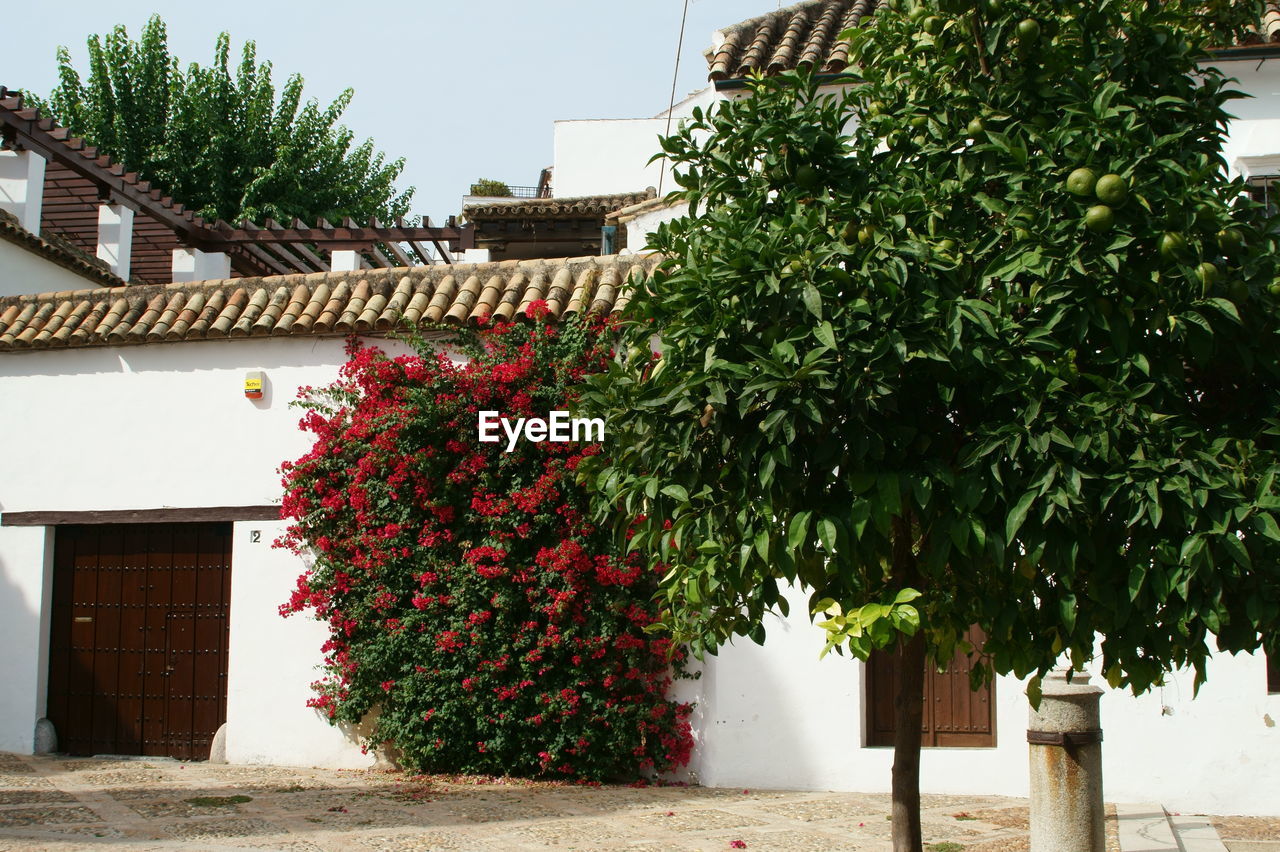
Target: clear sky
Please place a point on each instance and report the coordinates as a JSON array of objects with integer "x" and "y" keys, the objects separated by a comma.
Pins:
[{"x": 460, "y": 90}]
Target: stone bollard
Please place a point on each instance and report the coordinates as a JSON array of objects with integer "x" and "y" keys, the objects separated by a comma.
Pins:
[{"x": 1065, "y": 738}]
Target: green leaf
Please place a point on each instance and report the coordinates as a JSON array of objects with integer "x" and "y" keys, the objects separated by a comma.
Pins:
[
  {"x": 825, "y": 334},
  {"x": 1018, "y": 516},
  {"x": 813, "y": 300},
  {"x": 1264, "y": 523},
  {"x": 676, "y": 492},
  {"x": 1035, "y": 692},
  {"x": 762, "y": 543},
  {"x": 798, "y": 530},
  {"x": 1137, "y": 574},
  {"x": 1236, "y": 548},
  {"x": 1067, "y": 612},
  {"x": 827, "y": 534}
]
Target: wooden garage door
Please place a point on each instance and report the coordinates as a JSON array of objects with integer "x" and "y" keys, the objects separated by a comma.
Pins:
[
  {"x": 138, "y": 644},
  {"x": 954, "y": 714}
]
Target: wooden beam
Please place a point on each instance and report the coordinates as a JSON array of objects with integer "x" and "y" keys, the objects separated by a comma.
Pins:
[
  {"x": 444, "y": 253},
  {"x": 270, "y": 262},
  {"x": 319, "y": 262},
  {"x": 329, "y": 234},
  {"x": 421, "y": 253},
  {"x": 289, "y": 257},
  {"x": 23, "y": 128},
  {"x": 141, "y": 516},
  {"x": 399, "y": 253}
]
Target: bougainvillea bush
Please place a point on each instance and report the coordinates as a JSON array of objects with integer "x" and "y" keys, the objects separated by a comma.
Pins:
[{"x": 471, "y": 602}]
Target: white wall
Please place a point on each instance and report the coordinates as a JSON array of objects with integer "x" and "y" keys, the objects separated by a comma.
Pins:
[
  {"x": 22, "y": 272},
  {"x": 153, "y": 426},
  {"x": 26, "y": 565},
  {"x": 162, "y": 426},
  {"x": 704, "y": 98},
  {"x": 777, "y": 716},
  {"x": 604, "y": 157},
  {"x": 639, "y": 228},
  {"x": 273, "y": 661},
  {"x": 1256, "y": 130}
]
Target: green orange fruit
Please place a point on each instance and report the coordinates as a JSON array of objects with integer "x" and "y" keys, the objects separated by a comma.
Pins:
[
  {"x": 1208, "y": 274},
  {"x": 806, "y": 177},
  {"x": 1099, "y": 218},
  {"x": 1172, "y": 245},
  {"x": 1230, "y": 241},
  {"x": 1028, "y": 31},
  {"x": 1112, "y": 190},
  {"x": 1081, "y": 182}
]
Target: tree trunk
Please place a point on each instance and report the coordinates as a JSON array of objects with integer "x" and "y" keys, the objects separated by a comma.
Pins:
[
  {"x": 908, "y": 704},
  {"x": 908, "y": 708}
]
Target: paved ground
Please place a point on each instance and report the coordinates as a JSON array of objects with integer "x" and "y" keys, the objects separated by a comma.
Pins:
[
  {"x": 56, "y": 804},
  {"x": 1249, "y": 834}
]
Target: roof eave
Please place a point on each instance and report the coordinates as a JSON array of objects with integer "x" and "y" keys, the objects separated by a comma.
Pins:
[{"x": 1248, "y": 51}]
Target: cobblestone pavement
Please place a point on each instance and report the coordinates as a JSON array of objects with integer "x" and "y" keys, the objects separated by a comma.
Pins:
[{"x": 59, "y": 803}]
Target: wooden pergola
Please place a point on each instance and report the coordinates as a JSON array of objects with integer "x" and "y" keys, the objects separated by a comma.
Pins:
[{"x": 78, "y": 181}]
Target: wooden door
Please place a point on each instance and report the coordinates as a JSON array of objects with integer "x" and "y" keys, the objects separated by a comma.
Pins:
[
  {"x": 138, "y": 644},
  {"x": 954, "y": 715}
]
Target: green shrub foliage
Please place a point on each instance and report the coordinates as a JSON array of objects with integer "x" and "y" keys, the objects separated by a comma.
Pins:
[{"x": 471, "y": 600}]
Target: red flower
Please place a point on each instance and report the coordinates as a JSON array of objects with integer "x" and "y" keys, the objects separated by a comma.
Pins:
[{"x": 440, "y": 563}]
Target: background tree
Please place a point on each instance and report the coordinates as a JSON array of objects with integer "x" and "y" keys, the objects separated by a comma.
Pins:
[
  {"x": 491, "y": 188},
  {"x": 1005, "y": 355},
  {"x": 220, "y": 142}
]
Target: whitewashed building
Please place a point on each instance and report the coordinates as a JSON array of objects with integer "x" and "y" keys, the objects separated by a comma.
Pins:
[
  {"x": 1219, "y": 753},
  {"x": 139, "y": 489}
]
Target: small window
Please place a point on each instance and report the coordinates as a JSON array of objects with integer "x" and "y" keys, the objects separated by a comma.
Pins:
[
  {"x": 1266, "y": 190},
  {"x": 1273, "y": 671},
  {"x": 954, "y": 715}
]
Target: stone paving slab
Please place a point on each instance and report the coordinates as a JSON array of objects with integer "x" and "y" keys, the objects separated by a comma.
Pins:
[{"x": 62, "y": 804}]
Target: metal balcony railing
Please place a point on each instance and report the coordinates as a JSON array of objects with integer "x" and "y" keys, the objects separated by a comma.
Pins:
[{"x": 515, "y": 191}]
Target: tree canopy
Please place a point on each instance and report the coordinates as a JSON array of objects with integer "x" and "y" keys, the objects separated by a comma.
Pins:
[
  {"x": 219, "y": 141},
  {"x": 988, "y": 337}
]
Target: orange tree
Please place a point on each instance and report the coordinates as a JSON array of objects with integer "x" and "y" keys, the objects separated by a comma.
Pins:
[
  {"x": 988, "y": 339},
  {"x": 475, "y": 612}
]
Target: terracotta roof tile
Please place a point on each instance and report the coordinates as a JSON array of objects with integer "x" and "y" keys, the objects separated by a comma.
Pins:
[
  {"x": 581, "y": 207},
  {"x": 807, "y": 34},
  {"x": 325, "y": 303},
  {"x": 803, "y": 34}
]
